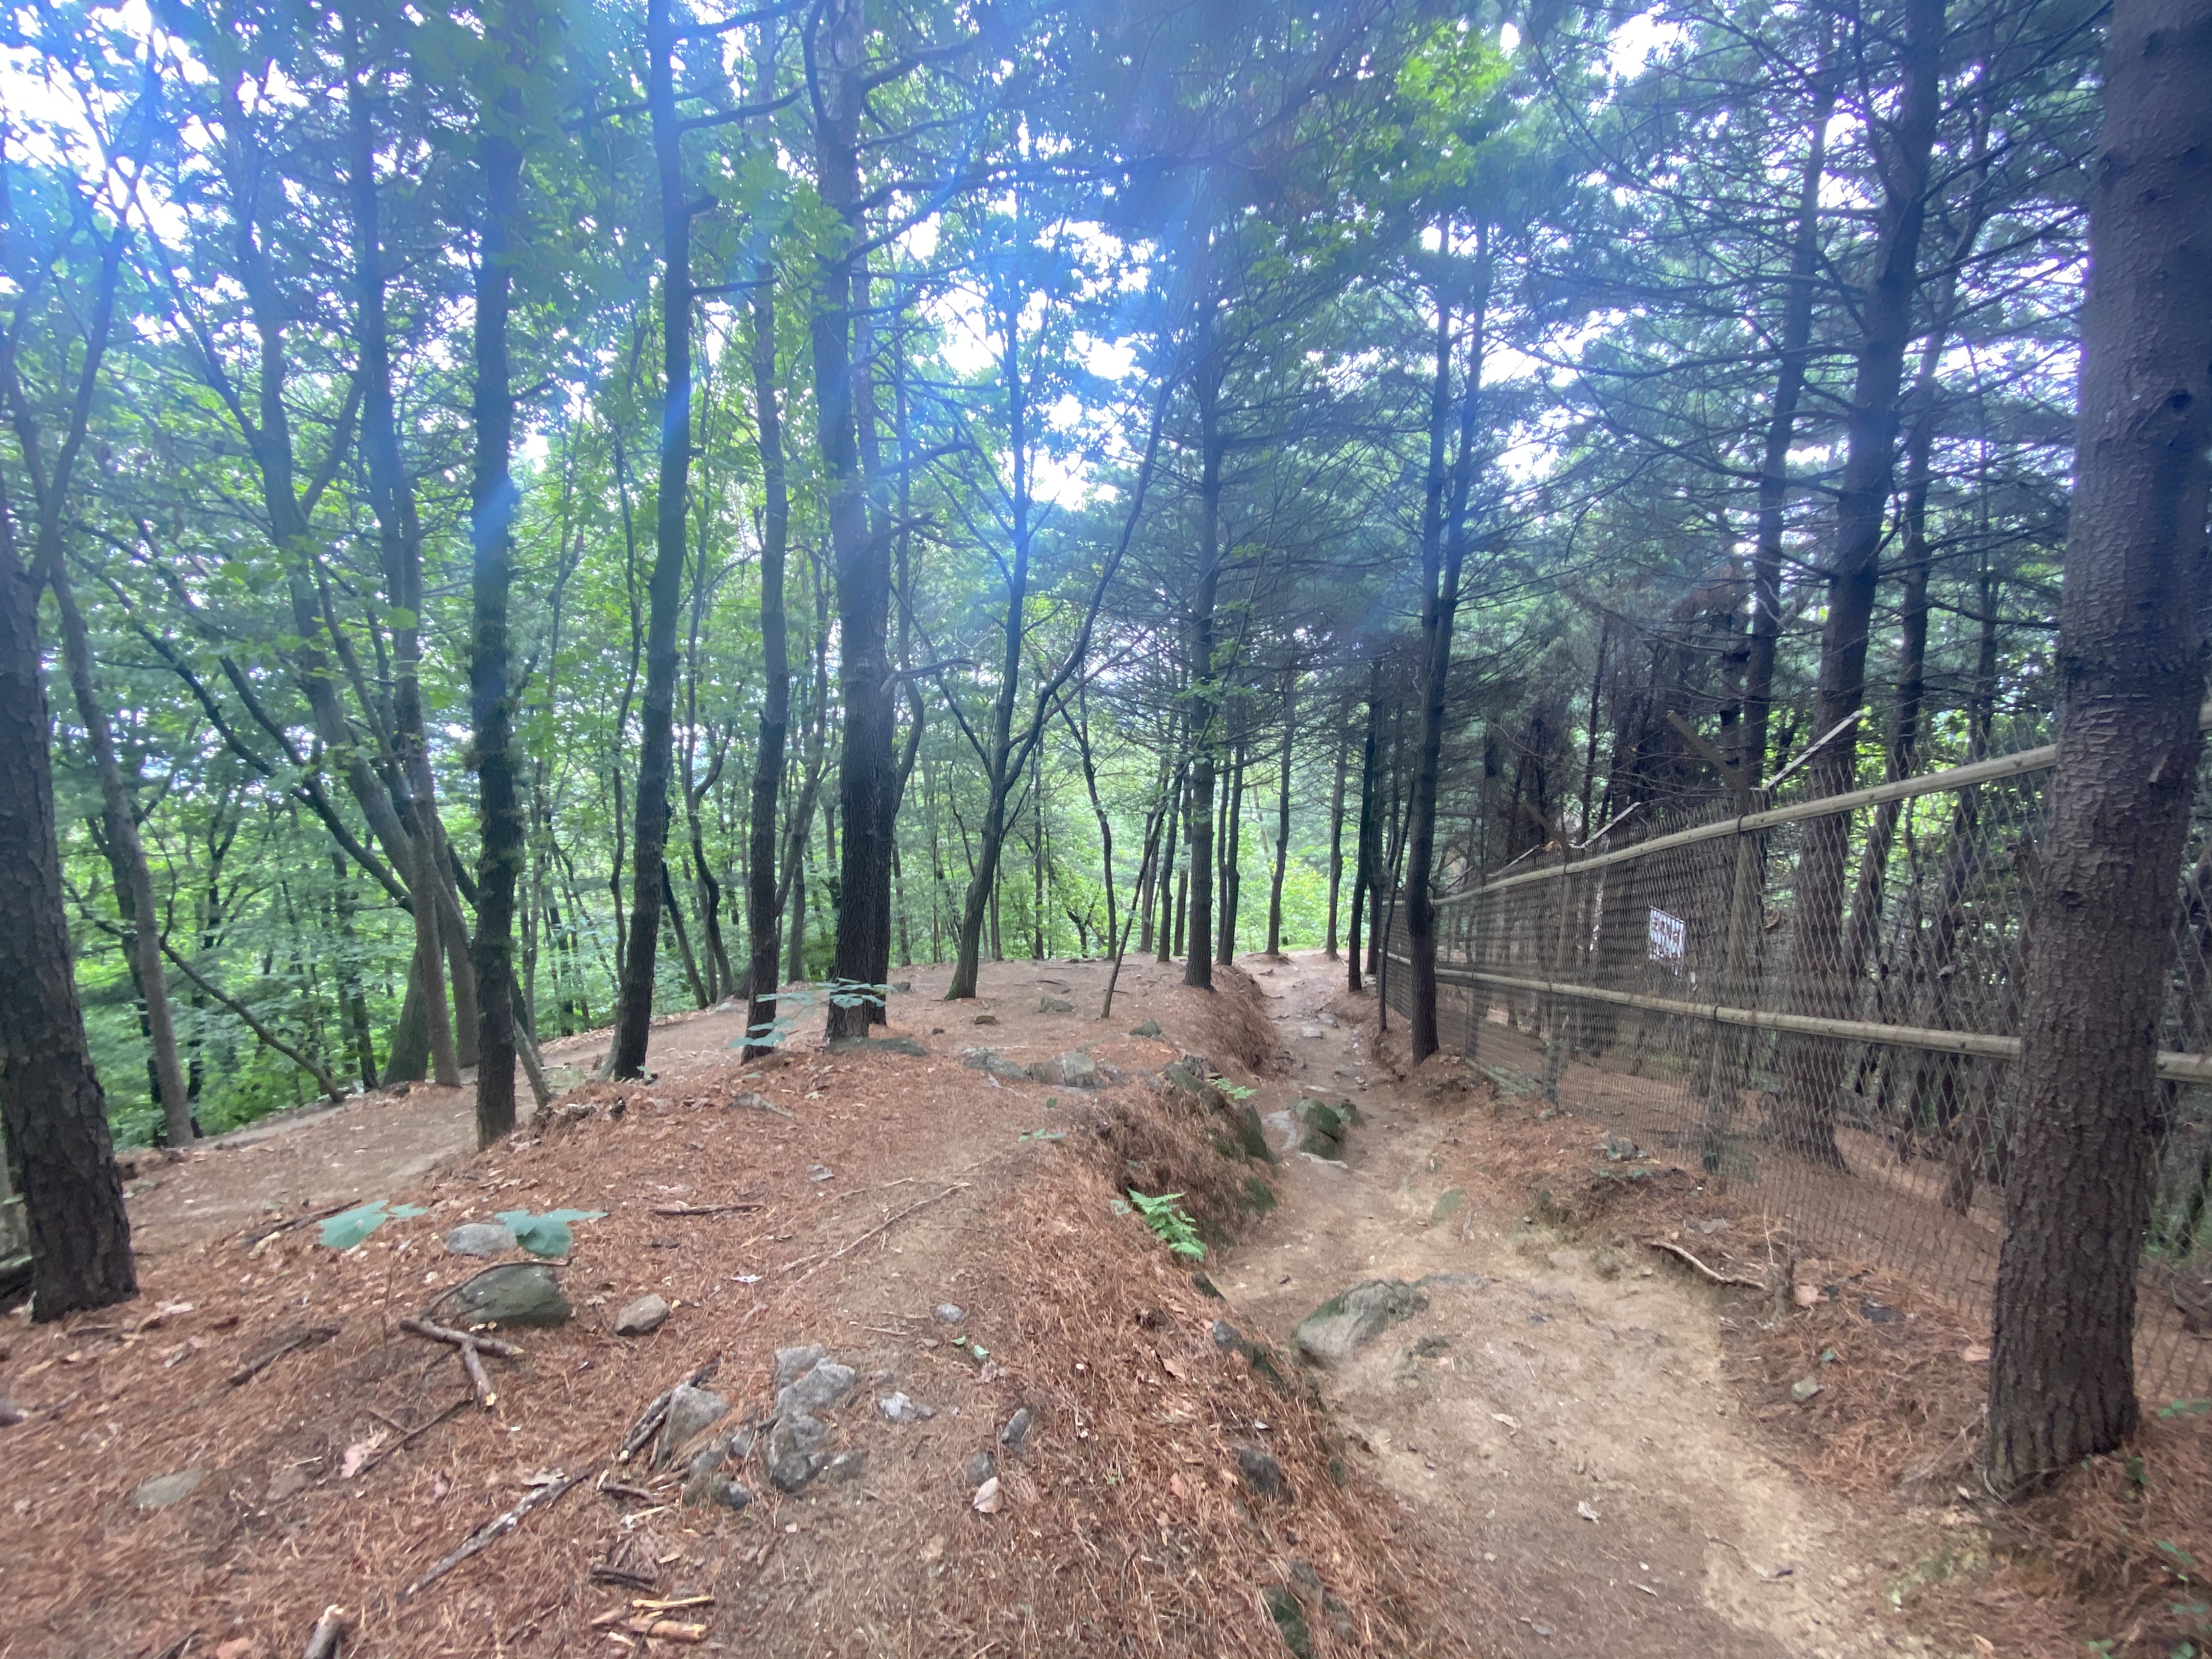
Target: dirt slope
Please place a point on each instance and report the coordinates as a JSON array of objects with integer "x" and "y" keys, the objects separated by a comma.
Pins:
[{"x": 1178, "y": 1491}]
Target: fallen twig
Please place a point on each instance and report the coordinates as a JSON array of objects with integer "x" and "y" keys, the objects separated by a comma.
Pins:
[
  {"x": 885, "y": 1223},
  {"x": 472, "y": 1363},
  {"x": 647, "y": 1425},
  {"x": 674, "y": 1605},
  {"x": 409, "y": 1434},
  {"x": 1717, "y": 1278},
  {"x": 623, "y": 1489},
  {"x": 328, "y": 1636},
  {"x": 701, "y": 1209},
  {"x": 495, "y": 1529},
  {"x": 262, "y": 1235},
  {"x": 306, "y": 1336},
  {"x": 490, "y": 1344},
  {"x": 605, "y": 1573}
]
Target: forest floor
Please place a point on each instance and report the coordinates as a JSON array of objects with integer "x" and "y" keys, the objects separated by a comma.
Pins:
[{"x": 1559, "y": 1452}]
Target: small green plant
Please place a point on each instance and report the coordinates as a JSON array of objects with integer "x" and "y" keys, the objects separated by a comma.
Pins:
[
  {"x": 2174, "y": 1408},
  {"x": 1236, "y": 1091},
  {"x": 1164, "y": 1215}
]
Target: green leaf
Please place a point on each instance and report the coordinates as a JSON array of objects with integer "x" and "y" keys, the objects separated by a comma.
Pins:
[
  {"x": 547, "y": 1234},
  {"x": 342, "y": 1232}
]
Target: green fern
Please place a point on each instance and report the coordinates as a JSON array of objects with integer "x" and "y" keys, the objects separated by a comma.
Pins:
[{"x": 1170, "y": 1225}]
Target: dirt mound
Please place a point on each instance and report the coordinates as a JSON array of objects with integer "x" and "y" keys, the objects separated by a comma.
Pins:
[{"x": 257, "y": 1438}]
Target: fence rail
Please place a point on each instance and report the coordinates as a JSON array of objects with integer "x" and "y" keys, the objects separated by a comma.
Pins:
[{"x": 1818, "y": 1001}]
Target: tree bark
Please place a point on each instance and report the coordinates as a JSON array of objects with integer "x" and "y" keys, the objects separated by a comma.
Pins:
[
  {"x": 1198, "y": 963},
  {"x": 1781, "y": 431},
  {"x": 1862, "y": 504},
  {"x": 493, "y": 503},
  {"x": 1336, "y": 832},
  {"x": 1282, "y": 815},
  {"x": 865, "y": 762},
  {"x": 1444, "y": 551},
  {"x": 2131, "y": 662},
  {"x": 60, "y": 1155},
  {"x": 1363, "y": 874},
  {"x": 761, "y": 913},
  {"x": 664, "y": 589}
]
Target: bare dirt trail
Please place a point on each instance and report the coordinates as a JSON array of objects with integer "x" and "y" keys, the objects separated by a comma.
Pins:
[{"x": 1556, "y": 1416}]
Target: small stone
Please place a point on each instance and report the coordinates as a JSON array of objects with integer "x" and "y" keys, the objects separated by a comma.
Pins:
[
  {"x": 1261, "y": 1471},
  {"x": 1619, "y": 1148},
  {"x": 724, "y": 1490},
  {"x": 750, "y": 1101},
  {"x": 643, "y": 1316},
  {"x": 847, "y": 1465},
  {"x": 901, "y": 987},
  {"x": 981, "y": 1468},
  {"x": 1078, "y": 1070},
  {"x": 900, "y": 1409},
  {"x": 794, "y": 1450},
  {"x": 1054, "y": 1005},
  {"x": 164, "y": 1490},
  {"x": 1310, "y": 1030},
  {"x": 986, "y": 1019},
  {"x": 1344, "y": 1324},
  {"x": 949, "y": 1313},
  {"x": 1429, "y": 1346},
  {"x": 1206, "y": 1287},
  {"x": 1150, "y": 1028},
  {"x": 1585, "y": 1511},
  {"x": 480, "y": 1238},
  {"x": 1804, "y": 1389},
  {"x": 819, "y": 1389},
  {"x": 513, "y": 1293},
  {"x": 991, "y": 1060},
  {"x": 1290, "y": 1621},
  {"x": 987, "y": 1500},
  {"x": 1227, "y": 1338},
  {"x": 820, "y": 1172},
  {"x": 792, "y": 1363},
  {"x": 691, "y": 1412},
  {"x": 1016, "y": 1430},
  {"x": 890, "y": 1045}
]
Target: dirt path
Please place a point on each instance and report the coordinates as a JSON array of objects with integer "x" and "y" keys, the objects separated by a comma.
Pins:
[{"x": 1554, "y": 1385}]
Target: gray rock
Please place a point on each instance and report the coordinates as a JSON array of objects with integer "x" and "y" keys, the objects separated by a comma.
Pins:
[
  {"x": 1016, "y": 1430},
  {"x": 643, "y": 1316},
  {"x": 981, "y": 1468},
  {"x": 794, "y": 1450},
  {"x": 725, "y": 1490},
  {"x": 901, "y": 987},
  {"x": 1046, "y": 1071},
  {"x": 1341, "y": 1326},
  {"x": 1054, "y": 1005},
  {"x": 750, "y": 1101},
  {"x": 1078, "y": 1070},
  {"x": 1150, "y": 1028},
  {"x": 899, "y": 1408},
  {"x": 1801, "y": 1390},
  {"x": 1261, "y": 1473},
  {"x": 480, "y": 1238},
  {"x": 691, "y": 1412},
  {"x": 1290, "y": 1622},
  {"x": 819, "y": 1390},
  {"x": 991, "y": 1060},
  {"x": 890, "y": 1045},
  {"x": 1429, "y": 1346},
  {"x": 1227, "y": 1338},
  {"x": 1309, "y": 1031},
  {"x": 949, "y": 1313},
  {"x": 164, "y": 1490},
  {"x": 847, "y": 1465},
  {"x": 513, "y": 1294},
  {"x": 985, "y": 1019},
  {"x": 792, "y": 1363}
]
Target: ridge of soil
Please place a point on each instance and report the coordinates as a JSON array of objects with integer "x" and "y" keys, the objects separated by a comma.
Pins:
[{"x": 1432, "y": 1492}]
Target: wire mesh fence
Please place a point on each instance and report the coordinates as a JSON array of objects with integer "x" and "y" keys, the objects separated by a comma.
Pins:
[{"x": 1818, "y": 1004}]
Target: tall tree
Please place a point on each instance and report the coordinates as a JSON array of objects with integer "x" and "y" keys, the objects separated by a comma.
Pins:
[{"x": 2131, "y": 664}]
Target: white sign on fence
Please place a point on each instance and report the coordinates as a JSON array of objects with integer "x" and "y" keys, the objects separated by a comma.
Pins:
[{"x": 1670, "y": 941}]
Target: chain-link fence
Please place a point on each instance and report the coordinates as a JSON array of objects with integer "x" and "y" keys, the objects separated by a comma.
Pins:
[{"x": 1818, "y": 1003}]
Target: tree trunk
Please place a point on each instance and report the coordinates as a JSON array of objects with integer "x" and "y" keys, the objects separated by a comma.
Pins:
[
  {"x": 493, "y": 503},
  {"x": 2131, "y": 662},
  {"x": 1862, "y": 504},
  {"x": 657, "y": 713},
  {"x": 1443, "y": 550},
  {"x": 1781, "y": 431},
  {"x": 1198, "y": 964},
  {"x": 1231, "y": 854},
  {"x": 1363, "y": 874},
  {"x": 865, "y": 762},
  {"x": 1336, "y": 832},
  {"x": 60, "y": 1157},
  {"x": 1165, "y": 884},
  {"x": 400, "y": 543},
  {"x": 761, "y": 911},
  {"x": 1282, "y": 816}
]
